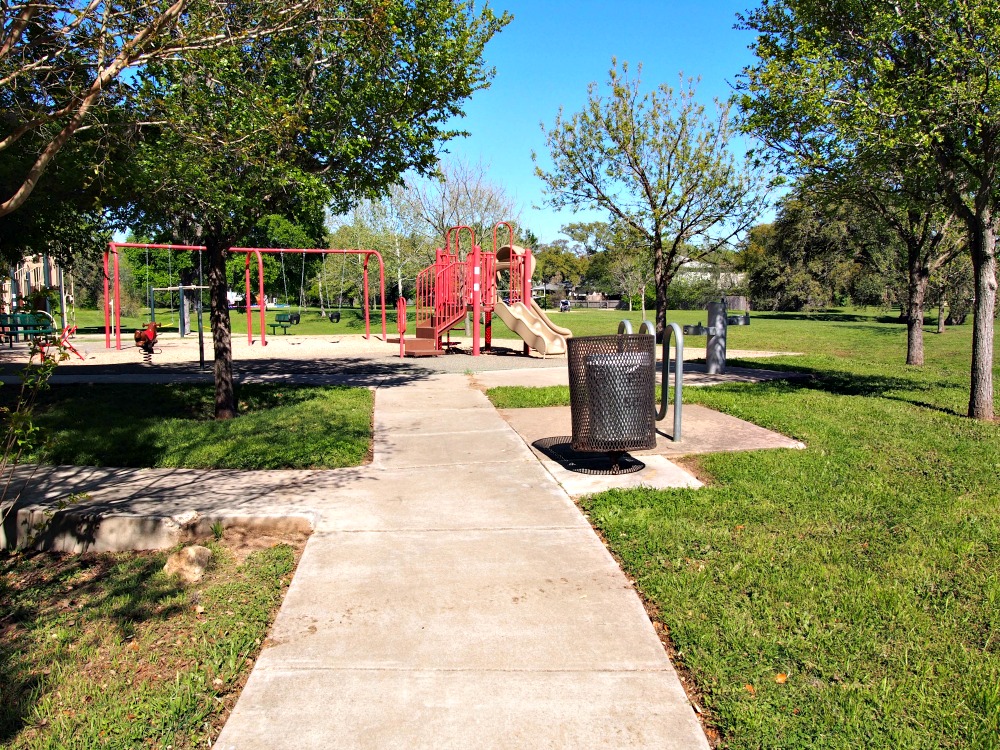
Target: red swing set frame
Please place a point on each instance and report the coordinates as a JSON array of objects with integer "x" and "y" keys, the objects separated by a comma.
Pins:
[{"x": 112, "y": 283}]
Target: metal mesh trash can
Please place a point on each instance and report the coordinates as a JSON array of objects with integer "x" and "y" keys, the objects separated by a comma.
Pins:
[{"x": 611, "y": 391}]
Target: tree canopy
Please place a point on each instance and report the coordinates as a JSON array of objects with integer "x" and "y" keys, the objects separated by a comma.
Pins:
[
  {"x": 322, "y": 115},
  {"x": 66, "y": 65},
  {"x": 851, "y": 86},
  {"x": 658, "y": 163}
]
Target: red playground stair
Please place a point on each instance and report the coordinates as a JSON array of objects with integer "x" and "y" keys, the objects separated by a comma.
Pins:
[{"x": 447, "y": 290}]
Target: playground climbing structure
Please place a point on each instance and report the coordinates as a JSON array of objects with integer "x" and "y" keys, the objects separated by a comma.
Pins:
[{"x": 456, "y": 285}]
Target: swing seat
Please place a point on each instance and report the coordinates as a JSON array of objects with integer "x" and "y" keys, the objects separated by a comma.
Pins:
[{"x": 334, "y": 317}]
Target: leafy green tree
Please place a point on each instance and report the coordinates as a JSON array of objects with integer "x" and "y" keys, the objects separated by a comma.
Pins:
[
  {"x": 556, "y": 262},
  {"x": 658, "y": 163},
  {"x": 65, "y": 216},
  {"x": 806, "y": 259},
  {"x": 866, "y": 86},
  {"x": 66, "y": 68},
  {"x": 953, "y": 288},
  {"x": 589, "y": 237},
  {"x": 629, "y": 264},
  {"x": 331, "y": 112}
]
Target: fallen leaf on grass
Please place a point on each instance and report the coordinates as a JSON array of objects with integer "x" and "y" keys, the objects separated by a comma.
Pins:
[
  {"x": 781, "y": 678},
  {"x": 750, "y": 689}
]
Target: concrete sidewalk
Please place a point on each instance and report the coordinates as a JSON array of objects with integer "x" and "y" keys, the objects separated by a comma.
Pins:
[{"x": 452, "y": 596}]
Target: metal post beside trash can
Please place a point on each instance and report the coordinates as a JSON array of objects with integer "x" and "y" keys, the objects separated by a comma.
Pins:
[
  {"x": 715, "y": 348},
  {"x": 612, "y": 393}
]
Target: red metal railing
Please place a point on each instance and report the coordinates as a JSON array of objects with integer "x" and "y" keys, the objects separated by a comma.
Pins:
[
  {"x": 261, "y": 301},
  {"x": 517, "y": 267},
  {"x": 424, "y": 302},
  {"x": 489, "y": 280},
  {"x": 450, "y": 298}
]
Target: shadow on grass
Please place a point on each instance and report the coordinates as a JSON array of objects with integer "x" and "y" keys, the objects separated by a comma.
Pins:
[
  {"x": 846, "y": 383},
  {"x": 48, "y": 602},
  {"x": 832, "y": 317},
  {"x": 282, "y": 426}
]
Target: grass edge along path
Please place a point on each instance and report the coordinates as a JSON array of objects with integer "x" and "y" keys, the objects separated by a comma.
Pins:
[
  {"x": 105, "y": 650},
  {"x": 846, "y": 595}
]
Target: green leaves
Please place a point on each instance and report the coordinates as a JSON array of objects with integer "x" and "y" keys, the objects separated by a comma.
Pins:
[{"x": 660, "y": 164}]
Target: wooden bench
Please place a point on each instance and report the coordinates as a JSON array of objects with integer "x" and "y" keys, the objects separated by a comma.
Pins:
[
  {"x": 28, "y": 325},
  {"x": 284, "y": 321}
]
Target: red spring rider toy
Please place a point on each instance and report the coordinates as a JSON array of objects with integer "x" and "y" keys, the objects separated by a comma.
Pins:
[{"x": 145, "y": 338}]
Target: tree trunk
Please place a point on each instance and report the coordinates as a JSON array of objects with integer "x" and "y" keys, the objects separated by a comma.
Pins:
[
  {"x": 940, "y": 320},
  {"x": 662, "y": 279},
  {"x": 225, "y": 395},
  {"x": 982, "y": 241},
  {"x": 918, "y": 277}
]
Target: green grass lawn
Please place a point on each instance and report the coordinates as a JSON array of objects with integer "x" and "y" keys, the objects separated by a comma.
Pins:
[
  {"x": 172, "y": 426},
  {"x": 847, "y": 595},
  {"x": 106, "y": 651}
]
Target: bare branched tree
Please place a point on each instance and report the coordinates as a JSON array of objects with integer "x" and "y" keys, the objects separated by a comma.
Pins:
[{"x": 462, "y": 194}]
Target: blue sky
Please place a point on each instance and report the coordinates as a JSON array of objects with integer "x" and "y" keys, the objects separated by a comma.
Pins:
[{"x": 553, "y": 49}]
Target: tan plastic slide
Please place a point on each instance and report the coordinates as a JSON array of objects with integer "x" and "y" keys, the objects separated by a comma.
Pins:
[
  {"x": 529, "y": 321},
  {"x": 534, "y": 327}
]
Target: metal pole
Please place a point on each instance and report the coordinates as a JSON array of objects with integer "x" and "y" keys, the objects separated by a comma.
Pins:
[
  {"x": 107, "y": 307},
  {"x": 118, "y": 304},
  {"x": 261, "y": 301},
  {"x": 181, "y": 317},
  {"x": 526, "y": 288},
  {"x": 381, "y": 276},
  {"x": 715, "y": 351},
  {"x": 62, "y": 300},
  {"x": 246, "y": 300},
  {"x": 201, "y": 328},
  {"x": 46, "y": 281},
  {"x": 647, "y": 327},
  {"x": 364, "y": 273},
  {"x": 477, "y": 301}
]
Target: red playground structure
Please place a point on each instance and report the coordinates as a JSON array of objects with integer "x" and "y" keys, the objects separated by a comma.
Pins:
[{"x": 481, "y": 283}]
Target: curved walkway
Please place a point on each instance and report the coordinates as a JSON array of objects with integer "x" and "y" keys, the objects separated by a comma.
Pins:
[
  {"x": 450, "y": 596},
  {"x": 454, "y": 597}
]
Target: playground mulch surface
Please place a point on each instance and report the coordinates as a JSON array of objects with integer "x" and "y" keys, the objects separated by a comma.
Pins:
[{"x": 313, "y": 359}]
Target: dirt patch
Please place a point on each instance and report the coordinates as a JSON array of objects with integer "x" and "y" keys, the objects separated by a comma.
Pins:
[
  {"x": 244, "y": 541},
  {"x": 693, "y": 465}
]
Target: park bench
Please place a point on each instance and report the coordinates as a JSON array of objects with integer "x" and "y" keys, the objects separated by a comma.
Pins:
[
  {"x": 284, "y": 321},
  {"x": 27, "y": 325}
]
